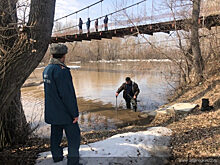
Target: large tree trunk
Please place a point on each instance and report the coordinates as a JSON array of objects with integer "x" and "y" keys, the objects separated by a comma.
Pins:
[
  {"x": 13, "y": 124},
  {"x": 198, "y": 60},
  {"x": 19, "y": 59}
]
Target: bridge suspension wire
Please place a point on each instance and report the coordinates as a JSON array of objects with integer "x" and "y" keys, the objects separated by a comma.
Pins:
[
  {"x": 124, "y": 8},
  {"x": 152, "y": 10},
  {"x": 137, "y": 16},
  {"x": 132, "y": 10},
  {"x": 105, "y": 15},
  {"x": 114, "y": 13},
  {"x": 79, "y": 10},
  {"x": 101, "y": 8},
  {"x": 76, "y": 19}
]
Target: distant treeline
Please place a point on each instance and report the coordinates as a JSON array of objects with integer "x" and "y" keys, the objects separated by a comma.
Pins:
[{"x": 114, "y": 49}]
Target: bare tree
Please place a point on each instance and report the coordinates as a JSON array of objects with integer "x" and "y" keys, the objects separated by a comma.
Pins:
[
  {"x": 21, "y": 52},
  {"x": 198, "y": 60}
]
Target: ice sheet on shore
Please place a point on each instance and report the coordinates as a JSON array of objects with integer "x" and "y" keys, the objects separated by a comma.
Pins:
[
  {"x": 133, "y": 147},
  {"x": 177, "y": 107}
]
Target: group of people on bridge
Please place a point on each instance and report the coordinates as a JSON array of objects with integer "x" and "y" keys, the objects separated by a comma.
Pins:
[{"x": 96, "y": 25}]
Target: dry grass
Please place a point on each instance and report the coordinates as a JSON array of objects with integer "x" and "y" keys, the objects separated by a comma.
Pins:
[{"x": 196, "y": 136}]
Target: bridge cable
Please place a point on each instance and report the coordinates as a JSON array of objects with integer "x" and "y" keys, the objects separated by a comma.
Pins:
[
  {"x": 145, "y": 9},
  {"x": 79, "y": 10},
  {"x": 76, "y": 19},
  {"x": 152, "y": 11},
  {"x": 132, "y": 11},
  {"x": 101, "y": 8},
  {"x": 106, "y": 14},
  {"x": 101, "y": 14},
  {"x": 137, "y": 16}
]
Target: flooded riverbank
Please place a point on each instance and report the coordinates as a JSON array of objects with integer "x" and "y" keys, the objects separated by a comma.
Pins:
[{"x": 95, "y": 85}]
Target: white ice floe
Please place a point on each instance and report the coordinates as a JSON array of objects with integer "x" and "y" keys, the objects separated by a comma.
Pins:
[
  {"x": 144, "y": 147},
  {"x": 73, "y": 67}
]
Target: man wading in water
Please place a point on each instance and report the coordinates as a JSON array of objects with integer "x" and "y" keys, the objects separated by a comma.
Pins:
[
  {"x": 61, "y": 110},
  {"x": 130, "y": 93}
]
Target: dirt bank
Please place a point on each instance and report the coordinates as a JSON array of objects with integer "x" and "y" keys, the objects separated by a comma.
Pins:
[{"x": 196, "y": 136}]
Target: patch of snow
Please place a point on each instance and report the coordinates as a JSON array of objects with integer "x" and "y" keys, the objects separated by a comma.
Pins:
[
  {"x": 186, "y": 107},
  {"x": 178, "y": 107},
  {"x": 74, "y": 67},
  {"x": 122, "y": 148},
  {"x": 75, "y": 62},
  {"x": 133, "y": 60}
]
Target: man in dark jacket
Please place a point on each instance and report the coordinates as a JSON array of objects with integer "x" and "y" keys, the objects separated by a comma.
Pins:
[
  {"x": 131, "y": 91},
  {"x": 88, "y": 25},
  {"x": 80, "y": 25},
  {"x": 106, "y": 23},
  {"x": 61, "y": 110}
]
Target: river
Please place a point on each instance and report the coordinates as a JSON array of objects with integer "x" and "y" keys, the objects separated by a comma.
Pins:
[{"x": 95, "y": 85}]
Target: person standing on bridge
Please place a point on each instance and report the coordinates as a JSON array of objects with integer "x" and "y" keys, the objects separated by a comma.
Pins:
[
  {"x": 61, "y": 109},
  {"x": 80, "y": 25},
  {"x": 96, "y": 25},
  {"x": 106, "y": 23},
  {"x": 131, "y": 91},
  {"x": 88, "y": 25}
]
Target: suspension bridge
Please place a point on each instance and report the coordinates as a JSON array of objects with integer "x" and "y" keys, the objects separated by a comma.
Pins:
[{"x": 131, "y": 26}]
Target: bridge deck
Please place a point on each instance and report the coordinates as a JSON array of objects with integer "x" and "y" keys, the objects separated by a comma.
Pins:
[{"x": 166, "y": 27}]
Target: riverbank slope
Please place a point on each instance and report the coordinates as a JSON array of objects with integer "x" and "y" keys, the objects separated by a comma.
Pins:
[{"x": 196, "y": 135}]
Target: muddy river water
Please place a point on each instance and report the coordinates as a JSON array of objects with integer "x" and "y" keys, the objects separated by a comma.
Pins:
[{"x": 95, "y": 85}]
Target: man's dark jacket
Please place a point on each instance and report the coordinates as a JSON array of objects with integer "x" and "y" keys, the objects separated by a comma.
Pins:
[
  {"x": 60, "y": 99},
  {"x": 135, "y": 89},
  {"x": 80, "y": 24},
  {"x": 106, "y": 20},
  {"x": 88, "y": 23}
]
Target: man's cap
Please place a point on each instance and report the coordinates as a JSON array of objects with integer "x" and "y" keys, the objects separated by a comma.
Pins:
[{"x": 58, "y": 49}]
